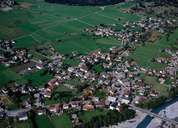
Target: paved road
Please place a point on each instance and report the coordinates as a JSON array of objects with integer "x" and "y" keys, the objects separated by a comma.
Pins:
[{"x": 14, "y": 113}]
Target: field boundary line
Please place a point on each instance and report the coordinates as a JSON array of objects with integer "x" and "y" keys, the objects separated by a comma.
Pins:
[
  {"x": 81, "y": 21},
  {"x": 109, "y": 17},
  {"x": 34, "y": 38},
  {"x": 55, "y": 24}
]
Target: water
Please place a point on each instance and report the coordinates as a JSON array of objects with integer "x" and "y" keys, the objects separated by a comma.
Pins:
[{"x": 145, "y": 122}]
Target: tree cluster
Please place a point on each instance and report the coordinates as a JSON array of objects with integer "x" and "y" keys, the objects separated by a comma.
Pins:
[{"x": 112, "y": 117}]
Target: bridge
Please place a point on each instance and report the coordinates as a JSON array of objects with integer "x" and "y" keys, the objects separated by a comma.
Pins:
[{"x": 171, "y": 121}]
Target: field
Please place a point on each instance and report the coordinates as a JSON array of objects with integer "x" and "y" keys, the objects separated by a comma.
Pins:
[
  {"x": 88, "y": 115},
  {"x": 8, "y": 102},
  {"x": 64, "y": 120},
  {"x": 38, "y": 78},
  {"x": 24, "y": 124},
  {"x": 144, "y": 55},
  {"x": 161, "y": 88},
  {"x": 53, "y": 122},
  {"x": 43, "y": 122},
  {"x": 7, "y": 75}
]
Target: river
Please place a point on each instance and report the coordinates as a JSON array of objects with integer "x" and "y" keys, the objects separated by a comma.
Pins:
[{"x": 146, "y": 121}]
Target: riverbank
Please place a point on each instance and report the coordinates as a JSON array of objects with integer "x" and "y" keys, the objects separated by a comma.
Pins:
[
  {"x": 168, "y": 104},
  {"x": 171, "y": 112}
]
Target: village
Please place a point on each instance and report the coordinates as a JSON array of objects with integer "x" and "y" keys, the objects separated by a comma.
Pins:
[
  {"x": 136, "y": 32},
  {"x": 120, "y": 81}
]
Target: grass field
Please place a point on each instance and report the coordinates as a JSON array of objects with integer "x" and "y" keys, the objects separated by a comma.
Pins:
[
  {"x": 53, "y": 122},
  {"x": 37, "y": 78},
  {"x": 8, "y": 102},
  {"x": 162, "y": 88},
  {"x": 7, "y": 75},
  {"x": 143, "y": 55},
  {"x": 25, "y": 124},
  {"x": 88, "y": 115},
  {"x": 61, "y": 121},
  {"x": 43, "y": 122}
]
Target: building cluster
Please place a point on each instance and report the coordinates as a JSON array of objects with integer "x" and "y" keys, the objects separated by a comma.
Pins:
[
  {"x": 170, "y": 70},
  {"x": 10, "y": 55},
  {"x": 6, "y": 3},
  {"x": 136, "y": 32},
  {"x": 120, "y": 80}
]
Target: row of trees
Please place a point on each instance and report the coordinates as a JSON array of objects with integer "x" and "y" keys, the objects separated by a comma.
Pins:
[
  {"x": 152, "y": 103},
  {"x": 85, "y": 2}
]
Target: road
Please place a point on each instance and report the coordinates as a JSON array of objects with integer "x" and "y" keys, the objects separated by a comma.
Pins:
[{"x": 14, "y": 113}]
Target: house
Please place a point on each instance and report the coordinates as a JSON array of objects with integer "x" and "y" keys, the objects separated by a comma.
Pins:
[
  {"x": 22, "y": 116},
  {"x": 40, "y": 111},
  {"x": 95, "y": 99},
  {"x": 65, "y": 106},
  {"x": 113, "y": 106},
  {"x": 47, "y": 94},
  {"x": 139, "y": 99},
  {"x": 54, "y": 108},
  {"x": 125, "y": 101},
  {"x": 74, "y": 104},
  {"x": 87, "y": 107},
  {"x": 111, "y": 99},
  {"x": 2, "y": 113},
  {"x": 83, "y": 67},
  {"x": 53, "y": 82},
  {"x": 70, "y": 69},
  {"x": 39, "y": 66},
  {"x": 99, "y": 105}
]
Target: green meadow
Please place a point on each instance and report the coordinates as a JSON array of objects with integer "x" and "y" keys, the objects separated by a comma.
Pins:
[
  {"x": 53, "y": 122},
  {"x": 144, "y": 54}
]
